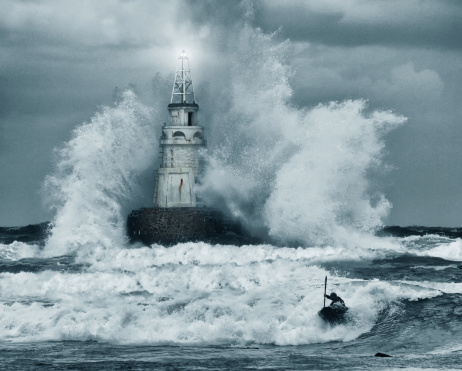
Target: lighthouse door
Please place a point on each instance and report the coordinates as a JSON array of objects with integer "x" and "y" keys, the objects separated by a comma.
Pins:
[{"x": 179, "y": 189}]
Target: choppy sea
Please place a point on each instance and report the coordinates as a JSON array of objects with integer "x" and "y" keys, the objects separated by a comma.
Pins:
[{"x": 198, "y": 306}]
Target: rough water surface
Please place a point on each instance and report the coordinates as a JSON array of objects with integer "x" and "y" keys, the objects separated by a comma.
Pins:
[{"x": 196, "y": 305}]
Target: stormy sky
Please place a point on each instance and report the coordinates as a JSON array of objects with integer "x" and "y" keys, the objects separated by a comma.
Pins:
[{"x": 61, "y": 60}]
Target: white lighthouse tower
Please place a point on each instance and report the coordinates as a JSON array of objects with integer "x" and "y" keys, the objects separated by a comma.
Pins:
[
  {"x": 181, "y": 142},
  {"x": 176, "y": 216}
]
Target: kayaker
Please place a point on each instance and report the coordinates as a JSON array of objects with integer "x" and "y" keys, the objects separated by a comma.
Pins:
[{"x": 336, "y": 300}]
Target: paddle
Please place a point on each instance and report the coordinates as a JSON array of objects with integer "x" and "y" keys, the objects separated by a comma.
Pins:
[{"x": 325, "y": 286}]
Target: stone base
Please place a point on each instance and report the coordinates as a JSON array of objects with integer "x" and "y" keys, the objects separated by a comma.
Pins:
[{"x": 169, "y": 226}]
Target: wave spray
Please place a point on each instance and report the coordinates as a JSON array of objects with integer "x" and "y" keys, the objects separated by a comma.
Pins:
[
  {"x": 301, "y": 174},
  {"x": 97, "y": 175}
]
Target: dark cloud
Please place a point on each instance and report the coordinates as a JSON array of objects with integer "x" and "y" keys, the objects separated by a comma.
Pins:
[
  {"x": 427, "y": 23},
  {"x": 225, "y": 14}
]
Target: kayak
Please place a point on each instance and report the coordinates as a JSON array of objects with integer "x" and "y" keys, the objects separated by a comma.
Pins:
[{"x": 334, "y": 314}]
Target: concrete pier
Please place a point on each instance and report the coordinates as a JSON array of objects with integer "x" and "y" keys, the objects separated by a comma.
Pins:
[{"x": 169, "y": 226}]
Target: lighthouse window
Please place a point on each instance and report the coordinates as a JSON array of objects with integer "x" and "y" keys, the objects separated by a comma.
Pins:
[
  {"x": 178, "y": 135},
  {"x": 190, "y": 118}
]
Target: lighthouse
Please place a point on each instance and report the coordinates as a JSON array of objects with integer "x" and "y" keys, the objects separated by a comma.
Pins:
[
  {"x": 181, "y": 143},
  {"x": 177, "y": 214}
]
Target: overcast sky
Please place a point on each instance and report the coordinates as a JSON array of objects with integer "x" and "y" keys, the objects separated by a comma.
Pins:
[{"x": 61, "y": 60}]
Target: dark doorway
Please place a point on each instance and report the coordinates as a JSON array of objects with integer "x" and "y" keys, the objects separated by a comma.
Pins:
[{"x": 190, "y": 119}]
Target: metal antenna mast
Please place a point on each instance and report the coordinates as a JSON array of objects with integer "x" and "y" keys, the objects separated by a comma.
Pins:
[{"x": 183, "y": 91}]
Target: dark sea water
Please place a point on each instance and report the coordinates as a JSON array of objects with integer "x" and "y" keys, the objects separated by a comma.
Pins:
[{"x": 201, "y": 306}]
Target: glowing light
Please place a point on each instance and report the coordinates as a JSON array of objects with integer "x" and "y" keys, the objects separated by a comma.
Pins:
[{"x": 183, "y": 54}]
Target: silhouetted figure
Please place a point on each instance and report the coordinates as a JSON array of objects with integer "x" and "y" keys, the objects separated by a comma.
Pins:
[{"x": 336, "y": 300}]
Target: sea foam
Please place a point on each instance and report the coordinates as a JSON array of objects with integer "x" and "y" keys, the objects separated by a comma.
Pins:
[{"x": 185, "y": 296}]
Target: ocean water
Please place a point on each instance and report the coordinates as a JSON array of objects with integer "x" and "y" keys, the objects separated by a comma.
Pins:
[
  {"x": 75, "y": 294},
  {"x": 201, "y": 306}
]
